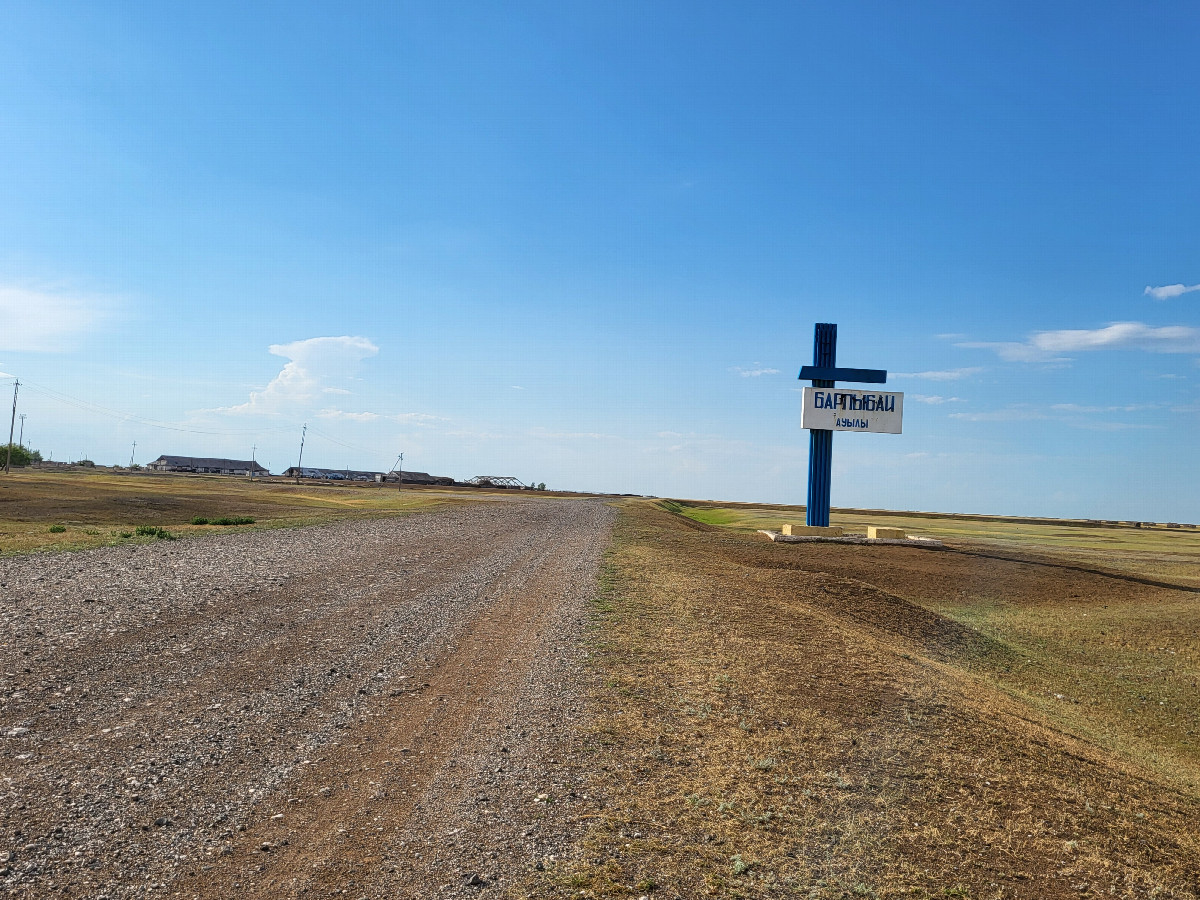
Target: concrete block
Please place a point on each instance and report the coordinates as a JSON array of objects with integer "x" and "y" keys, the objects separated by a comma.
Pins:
[
  {"x": 875, "y": 532},
  {"x": 812, "y": 530}
]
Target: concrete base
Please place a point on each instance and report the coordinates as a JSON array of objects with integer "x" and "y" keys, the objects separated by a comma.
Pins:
[
  {"x": 801, "y": 538},
  {"x": 875, "y": 532},
  {"x": 812, "y": 530}
]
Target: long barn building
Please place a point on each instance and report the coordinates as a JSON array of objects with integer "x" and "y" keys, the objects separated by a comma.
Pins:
[{"x": 205, "y": 465}]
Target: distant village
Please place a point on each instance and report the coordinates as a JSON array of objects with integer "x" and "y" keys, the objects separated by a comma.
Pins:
[
  {"x": 207, "y": 465},
  {"x": 204, "y": 465}
]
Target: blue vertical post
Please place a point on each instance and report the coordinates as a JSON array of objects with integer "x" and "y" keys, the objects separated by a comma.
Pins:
[{"x": 820, "y": 442}]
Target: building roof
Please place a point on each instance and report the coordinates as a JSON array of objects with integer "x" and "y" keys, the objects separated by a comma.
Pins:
[{"x": 208, "y": 462}]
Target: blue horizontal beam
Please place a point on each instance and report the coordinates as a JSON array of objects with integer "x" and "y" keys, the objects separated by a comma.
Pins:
[{"x": 825, "y": 373}]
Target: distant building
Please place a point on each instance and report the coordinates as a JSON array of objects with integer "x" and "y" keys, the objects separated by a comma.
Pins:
[
  {"x": 331, "y": 474},
  {"x": 419, "y": 478},
  {"x": 203, "y": 465},
  {"x": 497, "y": 481}
]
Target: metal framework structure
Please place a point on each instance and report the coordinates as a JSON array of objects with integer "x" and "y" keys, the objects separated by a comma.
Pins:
[{"x": 495, "y": 481}]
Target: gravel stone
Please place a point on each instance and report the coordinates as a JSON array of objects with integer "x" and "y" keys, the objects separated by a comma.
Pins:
[{"x": 366, "y": 708}]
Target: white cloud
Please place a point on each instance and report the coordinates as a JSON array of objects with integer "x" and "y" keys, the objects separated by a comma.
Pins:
[
  {"x": 753, "y": 373},
  {"x": 1110, "y": 426},
  {"x": 934, "y": 399},
  {"x": 310, "y": 363},
  {"x": 47, "y": 322},
  {"x": 1168, "y": 291},
  {"x": 423, "y": 419},
  {"x": 1013, "y": 351},
  {"x": 1001, "y": 415},
  {"x": 348, "y": 416},
  {"x": 1073, "y": 415},
  {"x": 940, "y": 375},
  {"x": 570, "y": 435},
  {"x": 1076, "y": 408},
  {"x": 1047, "y": 346}
]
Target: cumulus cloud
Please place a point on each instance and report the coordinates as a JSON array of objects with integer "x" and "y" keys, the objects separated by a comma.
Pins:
[
  {"x": 47, "y": 322},
  {"x": 1167, "y": 291},
  {"x": 1048, "y": 346},
  {"x": 941, "y": 374},
  {"x": 311, "y": 362}
]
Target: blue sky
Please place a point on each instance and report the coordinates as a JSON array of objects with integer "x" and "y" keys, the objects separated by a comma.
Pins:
[{"x": 586, "y": 244}]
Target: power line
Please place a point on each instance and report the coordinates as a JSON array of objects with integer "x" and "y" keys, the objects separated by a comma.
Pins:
[
  {"x": 68, "y": 400},
  {"x": 87, "y": 406},
  {"x": 364, "y": 450}
]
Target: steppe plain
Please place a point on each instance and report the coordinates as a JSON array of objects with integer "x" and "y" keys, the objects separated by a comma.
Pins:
[{"x": 374, "y": 693}]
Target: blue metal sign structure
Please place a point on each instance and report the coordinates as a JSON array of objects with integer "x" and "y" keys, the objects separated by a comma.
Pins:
[{"x": 824, "y": 373}]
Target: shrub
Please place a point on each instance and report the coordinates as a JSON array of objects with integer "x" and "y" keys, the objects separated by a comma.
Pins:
[
  {"x": 21, "y": 456},
  {"x": 224, "y": 520},
  {"x": 156, "y": 532},
  {"x": 57, "y": 529},
  {"x": 85, "y": 462}
]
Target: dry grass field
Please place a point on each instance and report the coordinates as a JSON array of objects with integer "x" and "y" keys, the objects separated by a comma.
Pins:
[
  {"x": 1013, "y": 716},
  {"x": 1153, "y": 549},
  {"x": 105, "y": 507},
  {"x": 995, "y": 719}
]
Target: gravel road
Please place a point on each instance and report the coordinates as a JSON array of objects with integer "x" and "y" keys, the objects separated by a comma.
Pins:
[{"x": 366, "y": 709}]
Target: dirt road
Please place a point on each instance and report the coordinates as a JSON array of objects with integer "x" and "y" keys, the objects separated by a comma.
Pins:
[{"x": 365, "y": 709}]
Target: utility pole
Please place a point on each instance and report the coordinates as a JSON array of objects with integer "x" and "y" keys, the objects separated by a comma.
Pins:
[
  {"x": 303, "y": 432},
  {"x": 21, "y": 439},
  {"x": 11, "y": 423},
  {"x": 253, "y": 450},
  {"x": 400, "y": 470},
  {"x": 131, "y": 454}
]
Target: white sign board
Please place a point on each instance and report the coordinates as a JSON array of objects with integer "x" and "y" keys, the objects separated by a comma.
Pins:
[{"x": 845, "y": 409}]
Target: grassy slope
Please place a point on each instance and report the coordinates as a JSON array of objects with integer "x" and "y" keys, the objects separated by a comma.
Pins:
[
  {"x": 771, "y": 721},
  {"x": 1123, "y": 673},
  {"x": 1152, "y": 551}
]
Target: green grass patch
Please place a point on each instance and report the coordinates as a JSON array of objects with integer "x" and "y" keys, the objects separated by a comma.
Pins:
[
  {"x": 154, "y": 531},
  {"x": 224, "y": 520}
]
